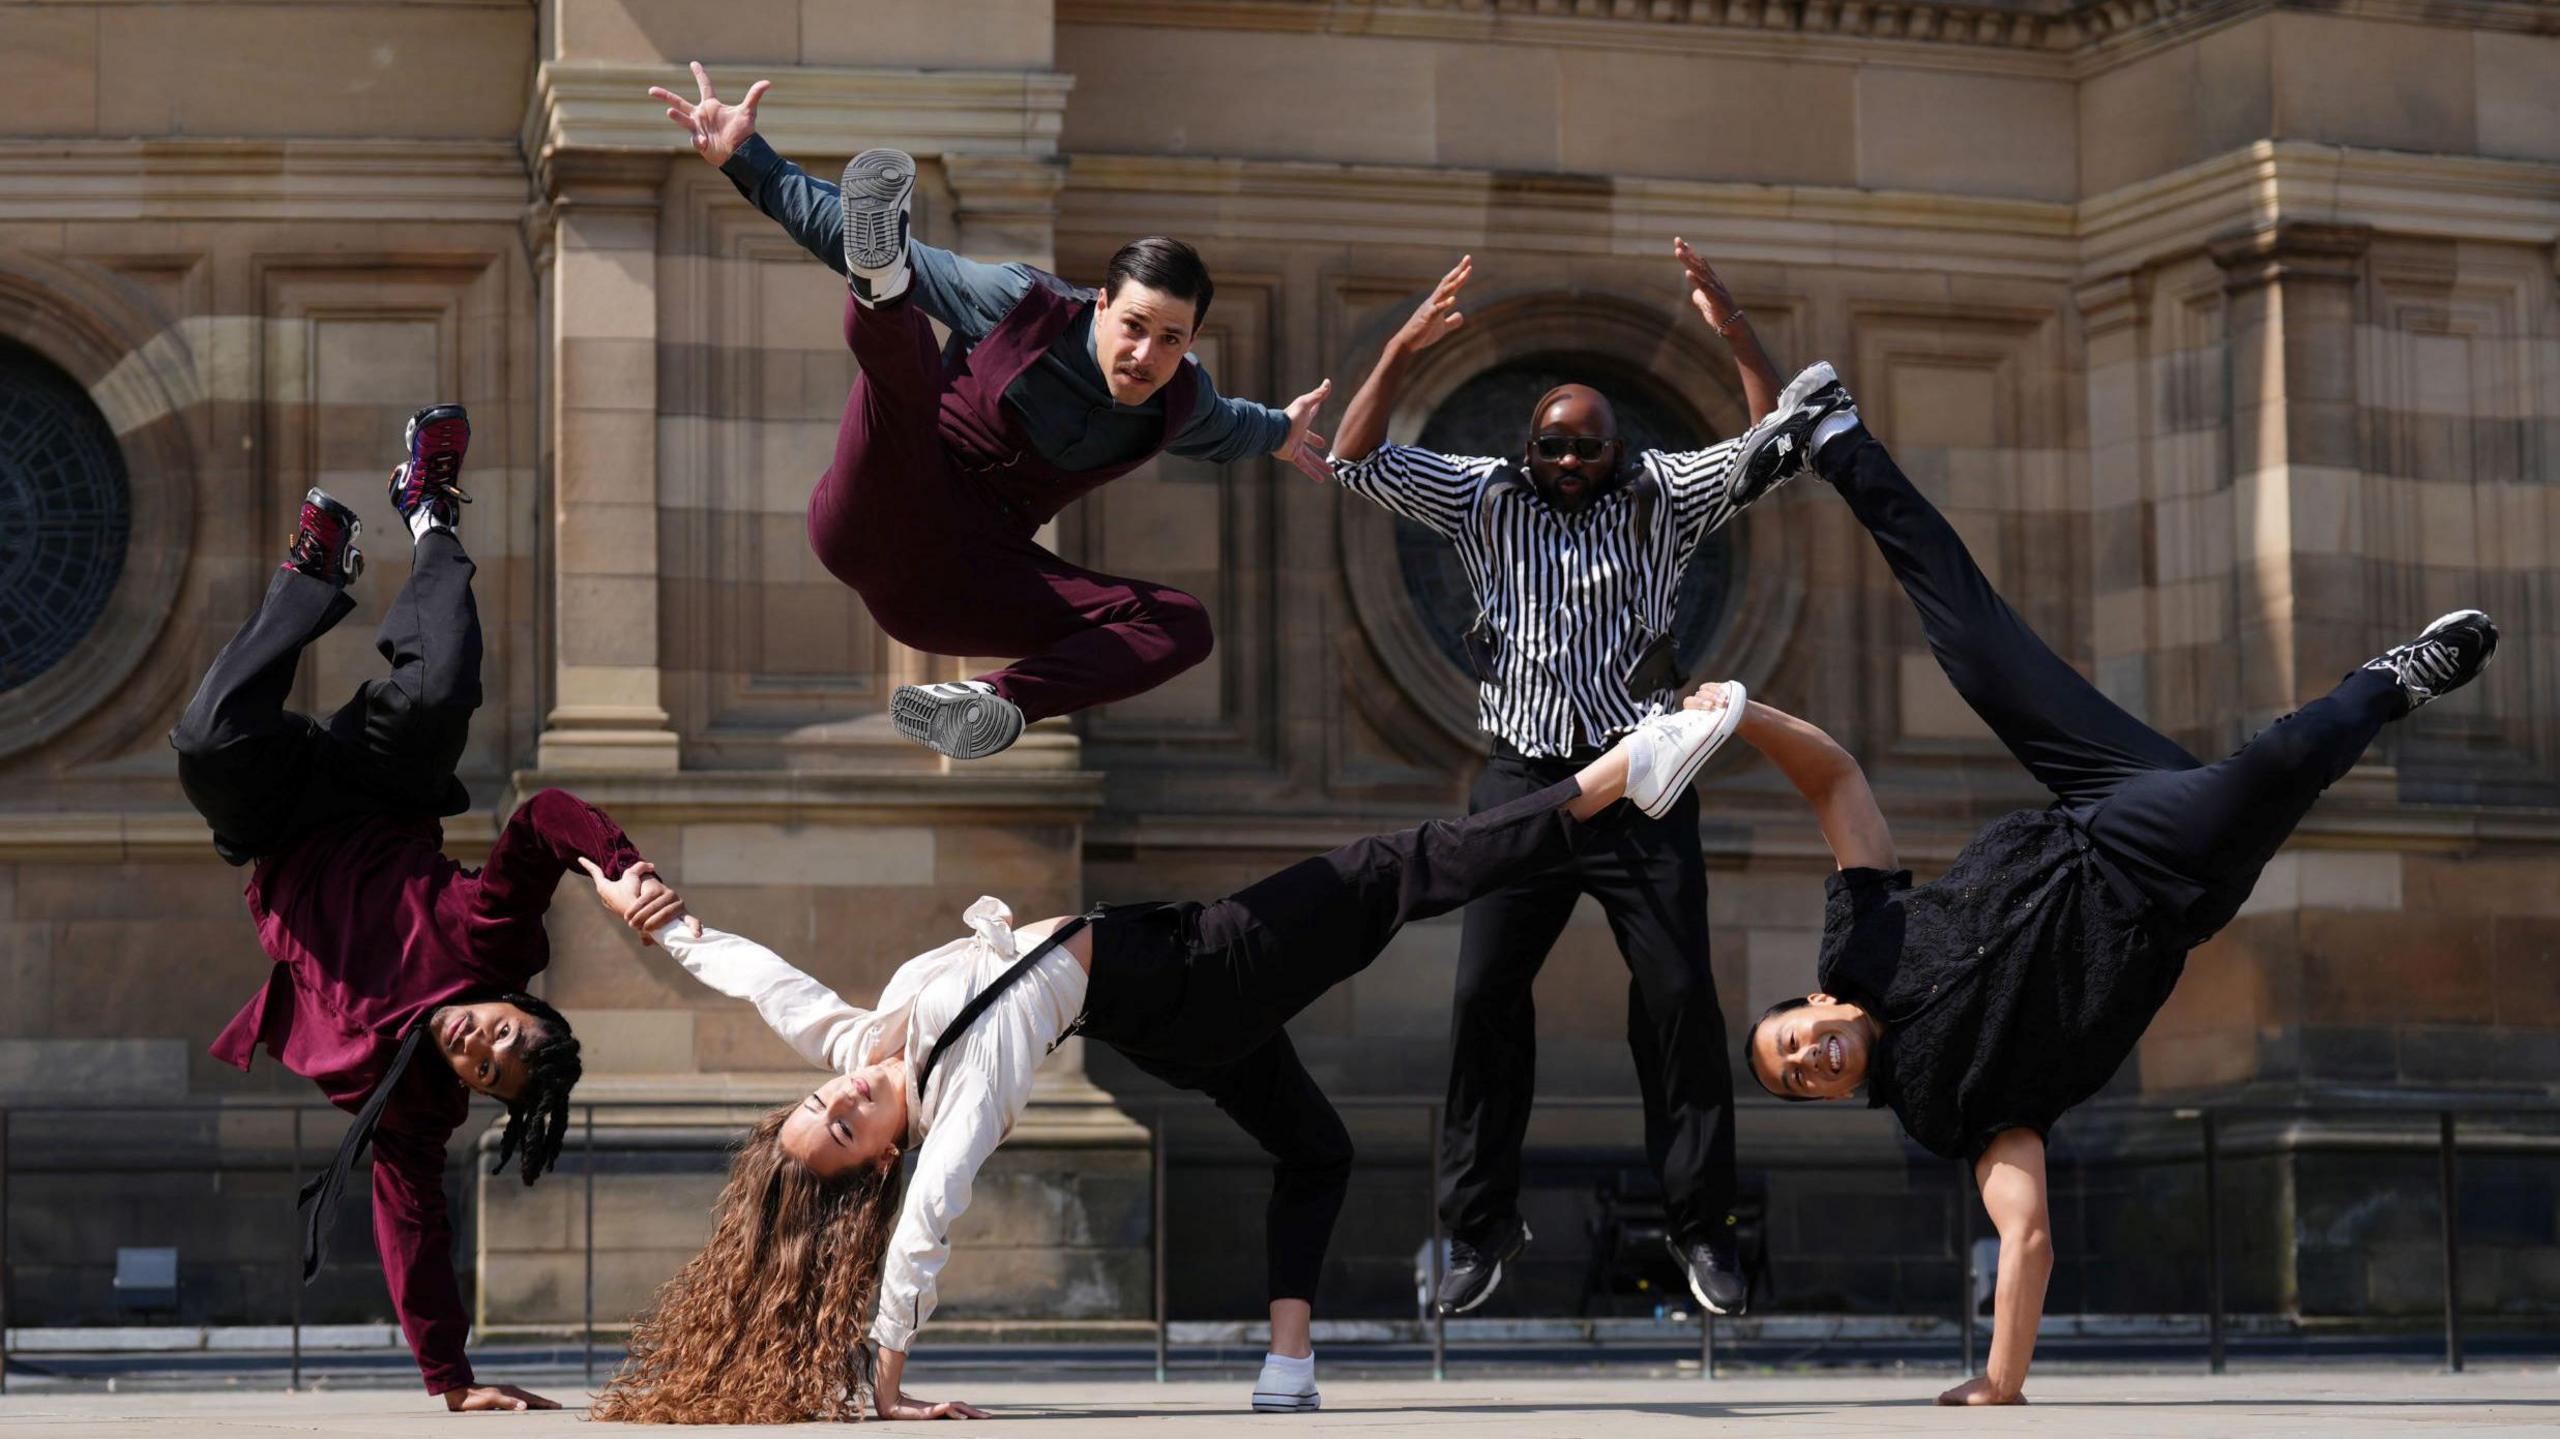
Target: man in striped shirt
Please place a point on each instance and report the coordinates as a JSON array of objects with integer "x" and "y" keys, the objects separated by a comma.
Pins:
[{"x": 1574, "y": 549}]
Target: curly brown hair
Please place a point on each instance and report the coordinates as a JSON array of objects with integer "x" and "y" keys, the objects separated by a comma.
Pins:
[{"x": 769, "y": 1323}]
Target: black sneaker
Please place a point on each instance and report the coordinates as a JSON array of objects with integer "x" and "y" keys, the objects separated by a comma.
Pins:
[
  {"x": 1712, "y": 1263},
  {"x": 2443, "y": 658},
  {"x": 965, "y": 719},
  {"x": 1780, "y": 447},
  {"x": 438, "y": 437},
  {"x": 879, "y": 191},
  {"x": 324, "y": 547},
  {"x": 1475, "y": 1271}
]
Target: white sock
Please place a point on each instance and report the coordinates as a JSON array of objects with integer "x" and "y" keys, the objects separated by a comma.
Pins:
[
  {"x": 423, "y": 519},
  {"x": 1833, "y": 426},
  {"x": 1292, "y": 1368}
]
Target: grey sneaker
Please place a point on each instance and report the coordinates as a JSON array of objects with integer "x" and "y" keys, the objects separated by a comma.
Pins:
[
  {"x": 965, "y": 719},
  {"x": 2443, "y": 658},
  {"x": 1780, "y": 447},
  {"x": 879, "y": 192}
]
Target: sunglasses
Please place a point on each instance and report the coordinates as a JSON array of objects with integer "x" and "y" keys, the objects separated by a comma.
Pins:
[{"x": 1581, "y": 447}]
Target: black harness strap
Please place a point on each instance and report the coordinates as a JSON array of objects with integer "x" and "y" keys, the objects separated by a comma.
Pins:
[{"x": 978, "y": 1002}]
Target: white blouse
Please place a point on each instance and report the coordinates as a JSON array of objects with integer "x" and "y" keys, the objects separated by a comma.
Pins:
[{"x": 978, "y": 1089}]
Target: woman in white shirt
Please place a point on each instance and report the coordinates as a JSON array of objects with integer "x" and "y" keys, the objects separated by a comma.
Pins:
[{"x": 767, "y": 1324}]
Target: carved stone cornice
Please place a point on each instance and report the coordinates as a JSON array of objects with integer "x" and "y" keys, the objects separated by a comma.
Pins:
[
  {"x": 832, "y": 111},
  {"x": 2291, "y": 250},
  {"x": 2068, "y": 35},
  {"x": 1005, "y": 188},
  {"x": 449, "y": 181}
]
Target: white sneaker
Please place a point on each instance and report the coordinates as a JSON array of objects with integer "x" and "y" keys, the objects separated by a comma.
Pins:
[
  {"x": 878, "y": 191},
  {"x": 965, "y": 719},
  {"x": 1665, "y": 752},
  {"x": 1286, "y": 1388}
]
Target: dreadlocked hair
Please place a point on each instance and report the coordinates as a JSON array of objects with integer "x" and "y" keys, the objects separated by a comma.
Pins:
[
  {"x": 768, "y": 1324},
  {"x": 538, "y": 1117}
]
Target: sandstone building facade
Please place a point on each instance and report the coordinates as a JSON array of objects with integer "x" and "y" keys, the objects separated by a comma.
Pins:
[{"x": 2225, "y": 329}]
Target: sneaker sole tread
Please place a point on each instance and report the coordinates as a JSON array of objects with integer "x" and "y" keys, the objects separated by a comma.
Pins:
[
  {"x": 875, "y": 190},
  {"x": 964, "y": 727}
]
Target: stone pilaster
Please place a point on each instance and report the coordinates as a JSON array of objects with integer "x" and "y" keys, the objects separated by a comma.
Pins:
[
  {"x": 2113, "y": 314},
  {"x": 600, "y": 400},
  {"x": 2295, "y": 454}
]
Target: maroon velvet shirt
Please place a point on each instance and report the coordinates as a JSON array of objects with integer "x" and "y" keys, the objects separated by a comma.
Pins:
[{"x": 371, "y": 926}]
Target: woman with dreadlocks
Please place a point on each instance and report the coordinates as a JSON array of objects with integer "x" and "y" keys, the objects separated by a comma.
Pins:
[
  {"x": 811, "y": 1243},
  {"x": 382, "y": 945}
]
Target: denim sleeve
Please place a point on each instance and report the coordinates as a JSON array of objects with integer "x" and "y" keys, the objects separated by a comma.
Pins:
[
  {"x": 970, "y": 296},
  {"x": 1222, "y": 429},
  {"x": 807, "y": 208}
]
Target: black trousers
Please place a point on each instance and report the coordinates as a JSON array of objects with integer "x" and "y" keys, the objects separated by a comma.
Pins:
[
  {"x": 1197, "y": 994},
  {"x": 2187, "y": 837},
  {"x": 263, "y": 775},
  {"x": 1651, "y": 881}
]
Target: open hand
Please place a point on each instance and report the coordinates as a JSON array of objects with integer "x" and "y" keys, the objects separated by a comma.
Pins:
[
  {"x": 1710, "y": 697},
  {"x": 1310, "y": 458},
  {"x": 1979, "y": 1391},
  {"x": 1439, "y": 316},
  {"x": 1302, "y": 415},
  {"x": 718, "y": 128},
  {"x": 904, "y": 1407},
  {"x": 1715, "y": 303},
  {"x": 639, "y": 898},
  {"x": 486, "y": 1398}
]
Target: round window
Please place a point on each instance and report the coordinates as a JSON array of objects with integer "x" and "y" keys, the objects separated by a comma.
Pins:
[{"x": 65, "y": 516}]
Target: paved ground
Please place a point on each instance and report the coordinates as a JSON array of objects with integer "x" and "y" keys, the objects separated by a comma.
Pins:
[{"x": 2327, "y": 1402}]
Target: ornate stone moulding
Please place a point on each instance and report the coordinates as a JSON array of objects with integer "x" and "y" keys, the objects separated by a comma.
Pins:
[
  {"x": 832, "y": 111},
  {"x": 2073, "y": 30}
]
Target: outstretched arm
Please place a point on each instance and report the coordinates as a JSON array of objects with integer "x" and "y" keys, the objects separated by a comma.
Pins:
[
  {"x": 1829, "y": 779},
  {"x": 2011, "y": 1173},
  {"x": 966, "y": 1130},
  {"x": 814, "y": 1020},
  {"x": 1364, "y": 425},
  {"x": 1716, "y": 305}
]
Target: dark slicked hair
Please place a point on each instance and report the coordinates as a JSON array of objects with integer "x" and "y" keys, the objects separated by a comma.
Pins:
[
  {"x": 1161, "y": 262},
  {"x": 1751, "y": 1046},
  {"x": 538, "y": 1117}
]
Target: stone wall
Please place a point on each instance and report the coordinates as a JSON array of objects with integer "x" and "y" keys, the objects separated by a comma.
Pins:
[{"x": 2226, "y": 334}]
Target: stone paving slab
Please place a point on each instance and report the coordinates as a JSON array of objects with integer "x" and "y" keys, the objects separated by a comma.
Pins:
[{"x": 2328, "y": 1402}]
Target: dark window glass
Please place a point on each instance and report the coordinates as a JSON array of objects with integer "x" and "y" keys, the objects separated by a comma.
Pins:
[{"x": 65, "y": 513}]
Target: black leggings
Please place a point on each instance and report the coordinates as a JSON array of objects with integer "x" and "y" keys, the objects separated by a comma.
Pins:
[
  {"x": 1197, "y": 994},
  {"x": 263, "y": 775},
  {"x": 2187, "y": 836}
]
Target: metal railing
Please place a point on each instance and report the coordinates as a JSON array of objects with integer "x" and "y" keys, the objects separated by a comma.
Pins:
[{"x": 2209, "y": 1118}]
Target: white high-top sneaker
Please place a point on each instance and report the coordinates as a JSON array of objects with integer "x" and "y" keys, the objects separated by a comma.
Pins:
[
  {"x": 1286, "y": 1386},
  {"x": 878, "y": 191},
  {"x": 1665, "y": 752},
  {"x": 965, "y": 719}
]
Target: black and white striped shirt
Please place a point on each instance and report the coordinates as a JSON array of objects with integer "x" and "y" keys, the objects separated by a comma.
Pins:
[{"x": 1571, "y": 598}]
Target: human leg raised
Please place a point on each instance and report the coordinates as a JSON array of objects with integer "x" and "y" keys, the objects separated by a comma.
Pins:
[
  {"x": 242, "y": 756},
  {"x": 2073, "y": 739},
  {"x": 2198, "y": 838}
]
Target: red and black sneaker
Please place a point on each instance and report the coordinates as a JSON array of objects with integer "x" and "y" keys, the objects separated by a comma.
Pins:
[
  {"x": 439, "y": 436},
  {"x": 325, "y": 545}
]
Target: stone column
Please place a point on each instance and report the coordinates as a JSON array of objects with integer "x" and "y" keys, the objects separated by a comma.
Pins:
[
  {"x": 2112, "y": 314},
  {"x": 2295, "y": 459},
  {"x": 601, "y": 400}
]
